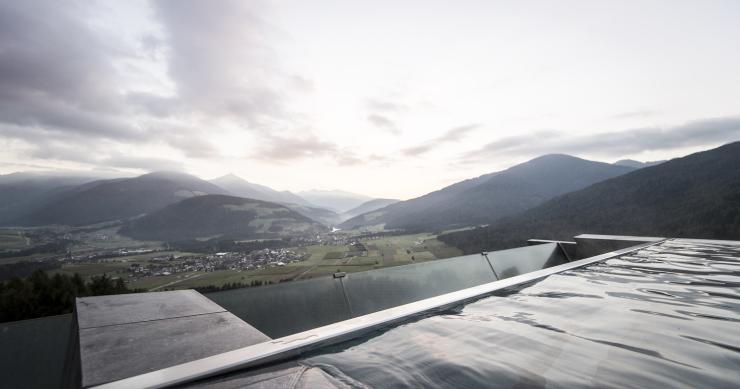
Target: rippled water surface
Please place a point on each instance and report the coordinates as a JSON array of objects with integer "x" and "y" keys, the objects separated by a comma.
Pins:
[{"x": 666, "y": 316}]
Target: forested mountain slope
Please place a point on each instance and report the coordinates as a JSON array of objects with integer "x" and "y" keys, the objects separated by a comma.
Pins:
[
  {"x": 695, "y": 196},
  {"x": 491, "y": 197}
]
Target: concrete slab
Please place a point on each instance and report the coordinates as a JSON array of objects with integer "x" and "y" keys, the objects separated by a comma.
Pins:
[
  {"x": 126, "y": 335},
  {"x": 136, "y": 307},
  {"x": 114, "y": 352}
]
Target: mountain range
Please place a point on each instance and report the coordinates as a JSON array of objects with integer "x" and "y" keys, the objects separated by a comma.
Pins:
[
  {"x": 552, "y": 193},
  {"x": 338, "y": 201},
  {"x": 221, "y": 216},
  {"x": 368, "y": 206},
  {"x": 238, "y": 186},
  {"x": 696, "y": 196},
  {"x": 21, "y": 193},
  {"x": 636, "y": 164},
  {"x": 108, "y": 200},
  {"x": 48, "y": 198},
  {"x": 490, "y": 197}
]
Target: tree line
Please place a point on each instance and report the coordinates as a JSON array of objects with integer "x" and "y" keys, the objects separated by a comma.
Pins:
[{"x": 41, "y": 295}]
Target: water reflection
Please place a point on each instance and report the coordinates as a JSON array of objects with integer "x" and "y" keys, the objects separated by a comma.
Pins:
[{"x": 665, "y": 316}]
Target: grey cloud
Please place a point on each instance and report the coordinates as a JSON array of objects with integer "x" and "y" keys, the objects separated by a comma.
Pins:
[
  {"x": 143, "y": 163},
  {"x": 220, "y": 62},
  {"x": 89, "y": 152},
  {"x": 154, "y": 105},
  {"x": 615, "y": 144},
  {"x": 385, "y": 106},
  {"x": 291, "y": 148},
  {"x": 35, "y": 112},
  {"x": 457, "y": 133},
  {"x": 194, "y": 146},
  {"x": 301, "y": 83},
  {"x": 347, "y": 158},
  {"x": 452, "y": 135},
  {"x": 280, "y": 149},
  {"x": 60, "y": 80},
  {"x": 151, "y": 45},
  {"x": 383, "y": 114},
  {"x": 57, "y": 73},
  {"x": 63, "y": 151},
  {"x": 417, "y": 150},
  {"x": 384, "y": 123}
]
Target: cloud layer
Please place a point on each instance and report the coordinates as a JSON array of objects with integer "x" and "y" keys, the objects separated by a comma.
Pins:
[
  {"x": 452, "y": 135},
  {"x": 709, "y": 132},
  {"x": 64, "y": 84},
  {"x": 289, "y": 91}
]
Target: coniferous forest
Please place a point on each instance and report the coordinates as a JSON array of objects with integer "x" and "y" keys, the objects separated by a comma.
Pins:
[{"x": 42, "y": 295}]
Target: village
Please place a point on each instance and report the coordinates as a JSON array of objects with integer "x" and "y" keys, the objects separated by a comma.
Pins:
[{"x": 165, "y": 265}]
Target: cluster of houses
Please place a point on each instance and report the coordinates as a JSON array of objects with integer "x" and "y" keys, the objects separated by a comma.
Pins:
[{"x": 169, "y": 264}]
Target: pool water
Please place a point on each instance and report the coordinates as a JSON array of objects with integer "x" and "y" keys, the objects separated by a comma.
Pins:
[{"x": 665, "y": 316}]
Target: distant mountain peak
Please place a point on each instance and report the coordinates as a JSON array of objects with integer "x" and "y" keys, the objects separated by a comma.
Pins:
[
  {"x": 636, "y": 164},
  {"x": 230, "y": 176},
  {"x": 243, "y": 188},
  {"x": 335, "y": 199},
  {"x": 554, "y": 156},
  {"x": 337, "y": 192},
  {"x": 223, "y": 216},
  {"x": 694, "y": 196},
  {"x": 107, "y": 200},
  {"x": 168, "y": 174},
  {"x": 557, "y": 157},
  {"x": 490, "y": 197}
]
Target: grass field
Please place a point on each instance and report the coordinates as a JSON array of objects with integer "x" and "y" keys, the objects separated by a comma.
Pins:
[
  {"x": 118, "y": 267},
  {"x": 93, "y": 269},
  {"x": 12, "y": 240},
  {"x": 108, "y": 238},
  {"x": 170, "y": 281},
  {"x": 33, "y": 257},
  {"x": 322, "y": 260}
]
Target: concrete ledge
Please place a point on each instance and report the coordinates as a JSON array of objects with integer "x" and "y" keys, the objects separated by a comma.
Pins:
[
  {"x": 589, "y": 245},
  {"x": 117, "y": 309},
  {"x": 569, "y": 248},
  {"x": 122, "y": 336}
]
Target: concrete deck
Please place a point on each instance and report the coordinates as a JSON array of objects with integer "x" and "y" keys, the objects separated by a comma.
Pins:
[{"x": 127, "y": 335}]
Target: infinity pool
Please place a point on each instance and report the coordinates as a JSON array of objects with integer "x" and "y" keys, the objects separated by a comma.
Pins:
[{"x": 665, "y": 316}]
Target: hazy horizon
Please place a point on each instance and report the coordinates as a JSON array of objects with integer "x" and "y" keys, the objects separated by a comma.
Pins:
[
  {"x": 383, "y": 99},
  {"x": 109, "y": 174}
]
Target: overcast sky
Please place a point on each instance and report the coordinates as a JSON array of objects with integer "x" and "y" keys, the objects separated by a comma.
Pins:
[{"x": 386, "y": 98}]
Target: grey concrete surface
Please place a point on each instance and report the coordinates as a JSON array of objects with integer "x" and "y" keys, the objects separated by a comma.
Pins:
[
  {"x": 136, "y": 307},
  {"x": 128, "y": 335}
]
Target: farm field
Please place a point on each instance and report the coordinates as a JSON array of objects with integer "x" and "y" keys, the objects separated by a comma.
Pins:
[
  {"x": 12, "y": 240},
  {"x": 323, "y": 260},
  {"x": 117, "y": 267},
  {"x": 108, "y": 238}
]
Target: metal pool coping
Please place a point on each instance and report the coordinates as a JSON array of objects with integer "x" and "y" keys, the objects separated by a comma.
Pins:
[{"x": 296, "y": 344}]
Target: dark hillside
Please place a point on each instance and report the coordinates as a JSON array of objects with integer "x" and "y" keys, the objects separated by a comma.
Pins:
[
  {"x": 695, "y": 196},
  {"x": 221, "y": 216},
  {"x": 108, "y": 200},
  {"x": 491, "y": 197}
]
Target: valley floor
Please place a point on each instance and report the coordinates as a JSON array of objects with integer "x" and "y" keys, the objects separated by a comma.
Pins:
[{"x": 149, "y": 266}]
